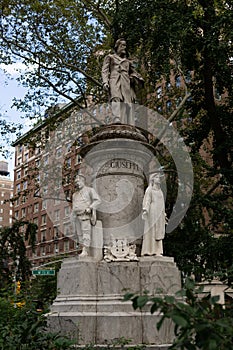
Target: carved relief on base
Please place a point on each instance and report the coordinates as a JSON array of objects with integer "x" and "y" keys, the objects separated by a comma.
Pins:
[{"x": 120, "y": 250}]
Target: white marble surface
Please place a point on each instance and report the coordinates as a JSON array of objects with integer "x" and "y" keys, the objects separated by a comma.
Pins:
[{"x": 89, "y": 304}]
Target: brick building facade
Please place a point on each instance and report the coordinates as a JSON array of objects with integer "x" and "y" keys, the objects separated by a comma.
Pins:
[
  {"x": 6, "y": 192},
  {"x": 38, "y": 197}
]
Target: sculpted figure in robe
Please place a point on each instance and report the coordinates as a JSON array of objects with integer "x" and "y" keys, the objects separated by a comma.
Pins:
[
  {"x": 119, "y": 79},
  {"x": 155, "y": 218}
]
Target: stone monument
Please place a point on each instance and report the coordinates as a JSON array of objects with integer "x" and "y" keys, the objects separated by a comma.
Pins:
[{"x": 126, "y": 241}]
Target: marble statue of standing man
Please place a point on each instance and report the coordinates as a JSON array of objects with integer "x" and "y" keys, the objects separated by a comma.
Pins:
[
  {"x": 84, "y": 203},
  {"x": 155, "y": 218},
  {"x": 119, "y": 79}
]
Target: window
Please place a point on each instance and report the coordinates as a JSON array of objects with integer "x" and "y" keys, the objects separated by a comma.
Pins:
[
  {"x": 17, "y": 215},
  {"x": 57, "y": 214},
  {"x": 78, "y": 159},
  {"x": 46, "y": 160},
  {"x": 25, "y": 185},
  {"x": 18, "y": 175},
  {"x": 45, "y": 189},
  {"x": 68, "y": 147},
  {"x": 66, "y": 246},
  {"x": 80, "y": 142},
  {"x": 67, "y": 211},
  {"x": 67, "y": 230},
  {"x": 43, "y": 235},
  {"x": 37, "y": 179},
  {"x": 58, "y": 152},
  {"x": 169, "y": 106},
  {"x": 36, "y": 207},
  {"x": 19, "y": 161},
  {"x": 68, "y": 163},
  {"x": 23, "y": 212},
  {"x": 18, "y": 188},
  {"x": 159, "y": 92},
  {"x": 1, "y": 218},
  {"x": 35, "y": 221},
  {"x": 67, "y": 179},
  {"x": 25, "y": 171},
  {"x": 56, "y": 232},
  {"x": 37, "y": 150},
  {"x": 43, "y": 219},
  {"x": 56, "y": 201},
  {"x": 26, "y": 157},
  {"x": 42, "y": 250},
  {"x": 56, "y": 248},
  {"x": 44, "y": 204}
]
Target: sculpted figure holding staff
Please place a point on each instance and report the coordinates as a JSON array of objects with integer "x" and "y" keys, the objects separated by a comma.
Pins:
[{"x": 120, "y": 79}]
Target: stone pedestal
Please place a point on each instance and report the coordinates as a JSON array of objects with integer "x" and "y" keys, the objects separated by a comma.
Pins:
[
  {"x": 90, "y": 306},
  {"x": 119, "y": 156}
]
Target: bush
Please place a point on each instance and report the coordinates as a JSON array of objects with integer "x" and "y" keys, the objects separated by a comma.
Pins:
[{"x": 199, "y": 323}]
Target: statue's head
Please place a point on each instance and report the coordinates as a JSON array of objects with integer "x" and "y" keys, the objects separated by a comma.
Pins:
[
  {"x": 155, "y": 178},
  {"x": 120, "y": 47},
  {"x": 79, "y": 181}
]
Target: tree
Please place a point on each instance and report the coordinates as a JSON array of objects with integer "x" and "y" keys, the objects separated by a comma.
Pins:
[
  {"x": 7, "y": 131},
  {"x": 13, "y": 251}
]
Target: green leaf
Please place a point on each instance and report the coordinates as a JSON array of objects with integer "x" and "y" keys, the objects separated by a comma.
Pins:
[
  {"x": 142, "y": 300},
  {"x": 128, "y": 296},
  {"x": 169, "y": 299},
  {"x": 214, "y": 299},
  {"x": 179, "y": 320}
]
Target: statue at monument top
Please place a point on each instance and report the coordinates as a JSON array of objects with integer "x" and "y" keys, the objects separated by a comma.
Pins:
[
  {"x": 120, "y": 79},
  {"x": 153, "y": 212}
]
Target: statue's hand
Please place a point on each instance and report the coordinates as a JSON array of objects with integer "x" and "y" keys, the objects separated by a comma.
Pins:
[
  {"x": 144, "y": 214},
  {"x": 106, "y": 86},
  {"x": 88, "y": 210}
]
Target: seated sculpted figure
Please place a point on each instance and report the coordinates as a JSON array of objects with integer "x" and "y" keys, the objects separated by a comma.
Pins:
[
  {"x": 153, "y": 212},
  {"x": 119, "y": 79},
  {"x": 84, "y": 203}
]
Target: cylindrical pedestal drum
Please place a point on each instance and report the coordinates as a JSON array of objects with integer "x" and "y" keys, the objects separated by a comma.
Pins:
[{"x": 119, "y": 163}]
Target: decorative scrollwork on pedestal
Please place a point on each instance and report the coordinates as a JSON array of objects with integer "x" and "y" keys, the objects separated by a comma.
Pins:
[{"x": 120, "y": 250}]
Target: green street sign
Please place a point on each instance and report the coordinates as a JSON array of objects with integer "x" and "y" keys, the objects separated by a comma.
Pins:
[{"x": 43, "y": 272}]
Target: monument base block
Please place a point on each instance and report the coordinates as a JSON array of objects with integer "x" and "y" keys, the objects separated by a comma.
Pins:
[{"x": 90, "y": 307}]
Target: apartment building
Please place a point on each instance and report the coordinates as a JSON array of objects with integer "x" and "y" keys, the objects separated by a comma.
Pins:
[
  {"x": 39, "y": 195},
  {"x": 6, "y": 192}
]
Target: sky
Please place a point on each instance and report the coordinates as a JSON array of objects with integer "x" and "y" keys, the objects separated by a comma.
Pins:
[{"x": 9, "y": 88}]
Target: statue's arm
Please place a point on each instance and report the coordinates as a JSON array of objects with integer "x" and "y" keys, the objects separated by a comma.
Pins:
[
  {"x": 106, "y": 72},
  {"x": 146, "y": 202},
  {"x": 95, "y": 199},
  {"x": 134, "y": 75}
]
